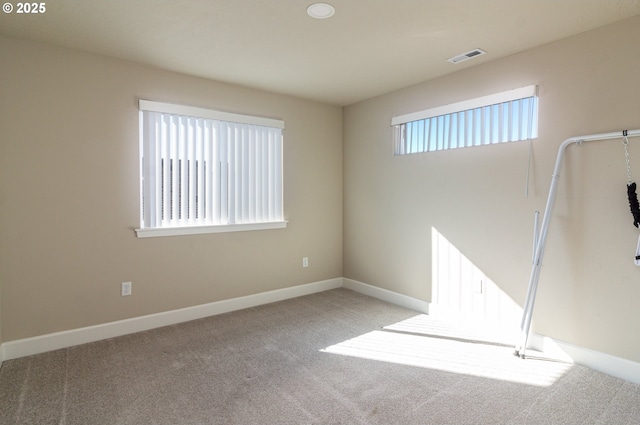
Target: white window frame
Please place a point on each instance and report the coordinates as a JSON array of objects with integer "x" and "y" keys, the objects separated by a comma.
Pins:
[
  {"x": 241, "y": 190},
  {"x": 474, "y": 122}
]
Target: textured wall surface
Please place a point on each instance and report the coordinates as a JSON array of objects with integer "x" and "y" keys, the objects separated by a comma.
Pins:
[
  {"x": 69, "y": 195},
  {"x": 475, "y": 197}
]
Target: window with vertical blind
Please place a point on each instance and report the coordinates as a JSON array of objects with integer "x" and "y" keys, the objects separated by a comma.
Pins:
[
  {"x": 502, "y": 117},
  {"x": 206, "y": 171}
]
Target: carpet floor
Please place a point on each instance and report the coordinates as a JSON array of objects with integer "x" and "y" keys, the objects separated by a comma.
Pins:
[{"x": 336, "y": 357}]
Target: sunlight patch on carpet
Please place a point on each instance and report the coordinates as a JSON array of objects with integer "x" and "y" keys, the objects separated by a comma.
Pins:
[{"x": 450, "y": 354}]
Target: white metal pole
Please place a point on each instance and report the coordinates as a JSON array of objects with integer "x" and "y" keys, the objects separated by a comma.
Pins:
[
  {"x": 536, "y": 234},
  {"x": 544, "y": 229}
]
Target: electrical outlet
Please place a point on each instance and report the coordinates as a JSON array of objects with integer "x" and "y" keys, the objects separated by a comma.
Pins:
[
  {"x": 125, "y": 289},
  {"x": 305, "y": 261}
]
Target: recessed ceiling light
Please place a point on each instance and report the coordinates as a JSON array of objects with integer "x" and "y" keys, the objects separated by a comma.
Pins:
[{"x": 321, "y": 10}]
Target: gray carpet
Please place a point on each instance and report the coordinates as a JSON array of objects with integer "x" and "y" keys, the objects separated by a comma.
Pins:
[{"x": 336, "y": 357}]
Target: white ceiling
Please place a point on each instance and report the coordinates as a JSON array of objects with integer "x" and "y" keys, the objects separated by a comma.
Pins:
[{"x": 369, "y": 47}]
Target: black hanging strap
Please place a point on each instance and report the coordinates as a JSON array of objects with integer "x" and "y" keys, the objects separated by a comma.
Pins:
[{"x": 634, "y": 205}]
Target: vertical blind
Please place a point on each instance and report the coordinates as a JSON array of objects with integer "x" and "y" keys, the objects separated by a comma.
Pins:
[
  {"x": 508, "y": 117},
  {"x": 200, "y": 171}
]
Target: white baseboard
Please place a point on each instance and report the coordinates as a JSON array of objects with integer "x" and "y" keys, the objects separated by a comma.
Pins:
[
  {"x": 605, "y": 363},
  {"x": 54, "y": 341},
  {"x": 597, "y": 360},
  {"x": 386, "y": 295},
  {"x": 602, "y": 362}
]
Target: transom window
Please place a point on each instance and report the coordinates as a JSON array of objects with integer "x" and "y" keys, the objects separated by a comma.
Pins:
[
  {"x": 503, "y": 117},
  {"x": 206, "y": 171}
]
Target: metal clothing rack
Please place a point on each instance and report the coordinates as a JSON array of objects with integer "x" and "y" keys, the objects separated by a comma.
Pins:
[{"x": 540, "y": 237}]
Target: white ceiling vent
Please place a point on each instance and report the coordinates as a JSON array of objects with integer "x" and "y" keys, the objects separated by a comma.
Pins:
[{"x": 466, "y": 56}]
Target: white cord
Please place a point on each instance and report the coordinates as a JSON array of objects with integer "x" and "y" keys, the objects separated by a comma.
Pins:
[
  {"x": 529, "y": 158},
  {"x": 626, "y": 157}
]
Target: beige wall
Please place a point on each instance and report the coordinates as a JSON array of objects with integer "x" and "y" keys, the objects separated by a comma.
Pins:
[
  {"x": 589, "y": 289},
  {"x": 1, "y": 354},
  {"x": 69, "y": 195}
]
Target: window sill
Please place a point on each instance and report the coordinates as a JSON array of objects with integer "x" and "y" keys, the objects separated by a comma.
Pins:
[{"x": 198, "y": 230}]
